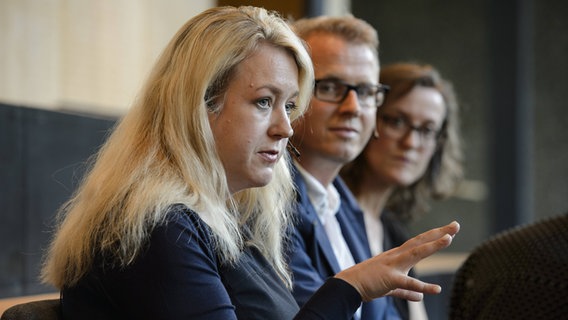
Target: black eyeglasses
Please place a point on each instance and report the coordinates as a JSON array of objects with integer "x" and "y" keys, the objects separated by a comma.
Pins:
[
  {"x": 369, "y": 95},
  {"x": 397, "y": 127}
]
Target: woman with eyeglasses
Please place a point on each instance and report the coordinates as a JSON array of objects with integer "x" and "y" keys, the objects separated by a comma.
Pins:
[{"x": 414, "y": 156}]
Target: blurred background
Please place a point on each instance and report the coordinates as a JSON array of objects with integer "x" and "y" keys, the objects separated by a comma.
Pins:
[{"x": 70, "y": 68}]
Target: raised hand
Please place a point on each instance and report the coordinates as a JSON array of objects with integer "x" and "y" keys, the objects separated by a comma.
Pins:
[{"x": 387, "y": 273}]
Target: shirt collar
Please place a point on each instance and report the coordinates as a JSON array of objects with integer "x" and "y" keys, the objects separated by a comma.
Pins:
[{"x": 325, "y": 201}]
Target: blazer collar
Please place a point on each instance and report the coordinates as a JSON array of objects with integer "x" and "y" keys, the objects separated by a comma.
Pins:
[{"x": 307, "y": 213}]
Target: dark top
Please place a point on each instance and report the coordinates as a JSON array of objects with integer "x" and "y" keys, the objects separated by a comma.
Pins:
[
  {"x": 395, "y": 235},
  {"x": 178, "y": 276}
]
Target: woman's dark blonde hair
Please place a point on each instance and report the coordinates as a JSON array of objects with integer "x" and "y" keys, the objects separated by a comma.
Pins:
[
  {"x": 163, "y": 152},
  {"x": 445, "y": 170}
]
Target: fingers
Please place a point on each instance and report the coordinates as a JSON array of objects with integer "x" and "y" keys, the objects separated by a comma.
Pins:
[
  {"x": 451, "y": 229},
  {"x": 387, "y": 273},
  {"x": 409, "y": 254},
  {"x": 422, "y": 246},
  {"x": 414, "y": 289},
  {"x": 425, "y": 250},
  {"x": 407, "y": 294}
]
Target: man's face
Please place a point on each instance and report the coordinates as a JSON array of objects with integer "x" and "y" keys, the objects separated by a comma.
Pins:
[{"x": 334, "y": 133}]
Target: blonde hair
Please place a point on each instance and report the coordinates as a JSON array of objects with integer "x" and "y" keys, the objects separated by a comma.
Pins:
[
  {"x": 349, "y": 28},
  {"x": 163, "y": 152},
  {"x": 445, "y": 169}
]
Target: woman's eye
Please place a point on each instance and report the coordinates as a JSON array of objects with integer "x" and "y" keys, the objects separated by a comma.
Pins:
[
  {"x": 291, "y": 106},
  {"x": 427, "y": 132},
  {"x": 263, "y": 103}
]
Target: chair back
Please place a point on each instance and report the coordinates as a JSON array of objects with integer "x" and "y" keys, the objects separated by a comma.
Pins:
[
  {"x": 521, "y": 273},
  {"x": 49, "y": 309}
]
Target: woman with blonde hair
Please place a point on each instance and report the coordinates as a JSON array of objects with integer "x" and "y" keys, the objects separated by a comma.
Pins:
[{"x": 183, "y": 212}]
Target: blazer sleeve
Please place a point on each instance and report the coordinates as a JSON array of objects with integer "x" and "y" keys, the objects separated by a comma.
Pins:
[
  {"x": 162, "y": 283},
  {"x": 336, "y": 299},
  {"x": 306, "y": 278}
]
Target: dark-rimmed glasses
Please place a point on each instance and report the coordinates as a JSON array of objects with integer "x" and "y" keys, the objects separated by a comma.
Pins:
[
  {"x": 397, "y": 127},
  {"x": 332, "y": 90}
]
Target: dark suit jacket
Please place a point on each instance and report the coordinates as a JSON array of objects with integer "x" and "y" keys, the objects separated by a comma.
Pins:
[{"x": 311, "y": 256}]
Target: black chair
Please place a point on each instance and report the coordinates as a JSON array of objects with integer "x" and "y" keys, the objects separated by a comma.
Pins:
[
  {"x": 521, "y": 273},
  {"x": 34, "y": 310}
]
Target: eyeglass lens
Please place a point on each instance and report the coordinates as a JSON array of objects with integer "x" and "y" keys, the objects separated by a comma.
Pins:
[
  {"x": 336, "y": 91},
  {"x": 397, "y": 127}
]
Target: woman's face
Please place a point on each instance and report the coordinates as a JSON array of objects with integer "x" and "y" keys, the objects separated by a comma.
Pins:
[
  {"x": 252, "y": 127},
  {"x": 400, "y": 156}
]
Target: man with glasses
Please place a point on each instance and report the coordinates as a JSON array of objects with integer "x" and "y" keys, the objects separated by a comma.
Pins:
[{"x": 330, "y": 231}]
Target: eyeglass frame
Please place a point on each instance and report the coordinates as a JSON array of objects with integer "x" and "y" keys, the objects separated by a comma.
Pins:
[
  {"x": 380, "y": 89},
  {"x": 431, "y": 140}
]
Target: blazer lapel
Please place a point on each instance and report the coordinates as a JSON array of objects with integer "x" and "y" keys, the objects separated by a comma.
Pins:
[
  {"x": 323, "y": 241},
  {"x": 352, "y": 223},
  {"x": 307, "y": 212}
]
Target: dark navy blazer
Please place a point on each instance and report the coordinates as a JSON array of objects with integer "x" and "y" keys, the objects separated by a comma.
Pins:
[
  {"x": 311, "y": 256},
  {"x": 178, "y": 276}
]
